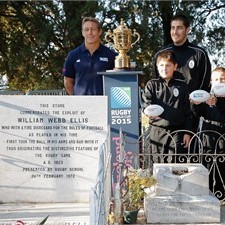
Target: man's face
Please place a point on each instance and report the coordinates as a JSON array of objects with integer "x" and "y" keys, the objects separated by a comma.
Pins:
[
  {"x": 91, "y": 32},
  {"x": 178, "y": 32}
]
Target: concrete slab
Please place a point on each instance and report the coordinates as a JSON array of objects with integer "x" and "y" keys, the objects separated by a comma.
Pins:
[
  {"x": 142, "y": 219},
  {"x": 181, "y": 179}
]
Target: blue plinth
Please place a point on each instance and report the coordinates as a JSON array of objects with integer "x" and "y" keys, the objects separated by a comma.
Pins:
[{"x": 124, "y": 111}]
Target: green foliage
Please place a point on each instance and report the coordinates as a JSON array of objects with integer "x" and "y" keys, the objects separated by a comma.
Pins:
[{"x": 137, "y": 181}]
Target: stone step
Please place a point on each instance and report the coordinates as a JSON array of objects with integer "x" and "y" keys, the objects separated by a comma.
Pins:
[{"x": 59, "y": 213}]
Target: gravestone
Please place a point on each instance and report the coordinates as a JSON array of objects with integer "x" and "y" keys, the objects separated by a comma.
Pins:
[
  {"x": 181, "y": 195},
  {"x": 49, "y": 147}
]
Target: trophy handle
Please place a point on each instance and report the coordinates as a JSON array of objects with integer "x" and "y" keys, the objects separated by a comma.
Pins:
[
  {"x": 109, "y": 37},
  {"x": 138, "y": 37}
]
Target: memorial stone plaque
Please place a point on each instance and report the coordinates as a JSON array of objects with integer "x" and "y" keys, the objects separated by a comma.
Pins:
[
  {"x": 49, "y": 147},
  {"x": 181, "y": 195}
]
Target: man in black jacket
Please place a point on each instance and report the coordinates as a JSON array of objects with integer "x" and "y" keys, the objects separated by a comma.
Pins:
[{"x": 193, "y": 62}]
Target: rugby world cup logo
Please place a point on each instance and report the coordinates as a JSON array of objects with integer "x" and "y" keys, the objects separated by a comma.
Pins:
[{"x": 120, "y": 97}]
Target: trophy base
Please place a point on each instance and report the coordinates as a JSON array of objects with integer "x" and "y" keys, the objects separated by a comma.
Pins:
[{"x": 122, "y": 62}]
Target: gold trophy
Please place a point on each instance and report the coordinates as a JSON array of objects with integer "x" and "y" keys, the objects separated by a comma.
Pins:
[{"x": 122, "y": 42}]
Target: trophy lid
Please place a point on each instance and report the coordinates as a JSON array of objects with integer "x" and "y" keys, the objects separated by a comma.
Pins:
[{"x": 122, "y": 28}]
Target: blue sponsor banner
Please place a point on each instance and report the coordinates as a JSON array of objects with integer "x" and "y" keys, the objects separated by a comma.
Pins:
[{"x": 122, "y": 90}]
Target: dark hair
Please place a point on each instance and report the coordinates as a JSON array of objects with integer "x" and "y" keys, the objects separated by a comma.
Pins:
[
  {"x": 183, "y": 18},
  {"x": 91, "y": 19},
  {"x": 166, "y": 55}
]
